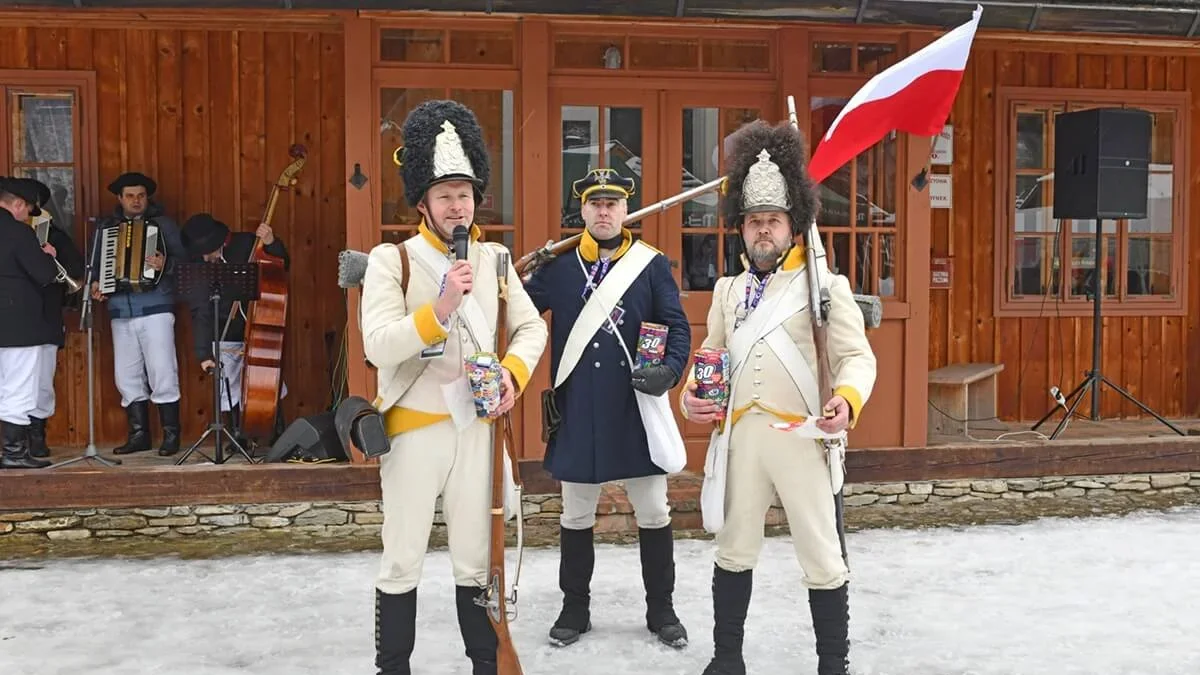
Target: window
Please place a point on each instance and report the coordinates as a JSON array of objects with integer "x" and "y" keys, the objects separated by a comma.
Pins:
[
  {"x": 858, "y": 210},
  {"x": 1049, "y": 264},
  {"x": 42, "y": 138}
]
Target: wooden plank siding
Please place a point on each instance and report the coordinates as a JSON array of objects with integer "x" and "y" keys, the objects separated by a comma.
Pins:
[
  {"x": 1155, "y": 358},
  {"x": 210, "y": 114}
]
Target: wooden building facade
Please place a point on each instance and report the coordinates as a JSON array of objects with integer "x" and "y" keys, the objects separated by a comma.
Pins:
[{"x": 209, "y": 101}]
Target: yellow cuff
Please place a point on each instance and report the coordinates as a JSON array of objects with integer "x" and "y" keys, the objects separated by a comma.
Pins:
[
  {"x": 518, "y": 369},
  {"x": 428, "y": 328},
  {"x": 853, "y": 398}
]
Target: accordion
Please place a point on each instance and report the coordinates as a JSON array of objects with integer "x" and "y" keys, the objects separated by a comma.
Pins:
[{"x": 123, "y": 252}]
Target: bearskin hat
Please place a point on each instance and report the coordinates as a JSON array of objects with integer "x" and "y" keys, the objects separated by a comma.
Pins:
[
  {"x": 768, "y": 171},
  {"x": 442, "y": 142}
]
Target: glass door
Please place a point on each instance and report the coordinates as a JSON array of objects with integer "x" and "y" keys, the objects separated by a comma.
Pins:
[
  {"x": 616, "y": 129},
  {"x": 695, "y": 236}
]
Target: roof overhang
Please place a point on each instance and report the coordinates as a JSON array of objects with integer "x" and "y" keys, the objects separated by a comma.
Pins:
[{"x": 1159, "y": 18}]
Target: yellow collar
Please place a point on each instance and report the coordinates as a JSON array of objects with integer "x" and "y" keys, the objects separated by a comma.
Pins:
[
  {"x": 437, "y": 242},
  {"x": 590, "y": 250},
  {"x": 792, "y": 260}
]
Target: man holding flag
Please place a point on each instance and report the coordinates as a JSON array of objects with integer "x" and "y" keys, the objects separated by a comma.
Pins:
[{"x": 802, "y": 357}]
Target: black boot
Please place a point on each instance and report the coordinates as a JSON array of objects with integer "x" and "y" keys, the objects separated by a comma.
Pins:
[
  {"x": 37, "y": 437},
  {"x": 138, "y": 418},
  {"x": 478, "y": 636},
  {"x": 16, "y": 449},
  {"x": 658, "y": 575},
  {"x": 731, "y": 601},
  {"x": 577, "y": 559},
  {"x": 168, "y": 415},
  {"x": 831, "y": 625},
  {"x": 395, "y": 631}
]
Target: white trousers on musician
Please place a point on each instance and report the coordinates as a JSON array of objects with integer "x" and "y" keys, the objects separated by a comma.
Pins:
[
  {"x": 423, "y": 464},
  {"x": 233, "y": 364},
  {"x": 764, "y": 462},
  {"x": 19, "y": 383},
  {"x": 647, "y": 495},
  {"x": 47, "y": 357},
  {"x": 144, "y": 360}
]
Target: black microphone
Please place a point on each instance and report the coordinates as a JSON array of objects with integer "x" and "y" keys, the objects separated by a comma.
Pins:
[{"x": 461, "y": 235}]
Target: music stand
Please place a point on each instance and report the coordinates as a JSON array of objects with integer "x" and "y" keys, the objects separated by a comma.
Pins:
[
  {"x": 230, "y": 281},
  {"x": 85, "y": 318}
]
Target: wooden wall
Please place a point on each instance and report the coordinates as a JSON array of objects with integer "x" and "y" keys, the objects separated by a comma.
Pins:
[
  {"x": 1154, "y": 358},
  {"x": 210, "y": 113}
]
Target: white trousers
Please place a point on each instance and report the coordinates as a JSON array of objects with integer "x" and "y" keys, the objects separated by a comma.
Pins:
[
  {"x": 144, "y": 361},
  {"x": 423, "y": 464},
  {"x": 647, "y": 495},
  {"x": 19, "y": 383},
  {"x": 47, "y": 357},
  {"x": 762, "y": 463},
  {"x": 233, "y": 364}
]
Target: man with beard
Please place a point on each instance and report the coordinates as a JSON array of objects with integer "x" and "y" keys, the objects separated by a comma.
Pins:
[
  {"x": 762, "y": 317},
  {"x": 601, "y": 436},
  {"x": 145, "y": 364},
  {"x": 423, "y": 313}
]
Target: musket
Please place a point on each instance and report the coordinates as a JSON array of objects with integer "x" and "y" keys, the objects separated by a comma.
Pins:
[
  {"x": 528, "y": 263},
  {"x": 501, "y": 608},
  {"x": 819, "y": 301}
]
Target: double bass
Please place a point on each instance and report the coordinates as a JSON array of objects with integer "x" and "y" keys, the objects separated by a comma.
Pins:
[{"x": 266, "y": 322}]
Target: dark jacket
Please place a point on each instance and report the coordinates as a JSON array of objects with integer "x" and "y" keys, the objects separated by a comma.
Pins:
[
  {"x": 238, "y": 250},
  {"x": 56, "y": 296},
  {"x": 25, "y": 272},
  {"x": 601, "y": 437},
  {"x": 161, "y": 299}
]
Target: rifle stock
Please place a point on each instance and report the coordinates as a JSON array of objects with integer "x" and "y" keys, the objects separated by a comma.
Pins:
[{"x": 495, "y": 598}]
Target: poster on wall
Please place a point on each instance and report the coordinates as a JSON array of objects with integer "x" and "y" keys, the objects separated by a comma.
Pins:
[
  {"x": 943, "y": 147},
  {"x": 940, "y": 192}
]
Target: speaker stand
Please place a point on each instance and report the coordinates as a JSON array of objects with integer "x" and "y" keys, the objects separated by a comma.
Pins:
[{"x": 1094, "y": 378}]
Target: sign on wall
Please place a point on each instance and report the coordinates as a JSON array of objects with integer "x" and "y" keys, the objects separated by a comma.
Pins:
[
  {"x": 940, "y": 192},
  {"x": 943, "y": 147}
]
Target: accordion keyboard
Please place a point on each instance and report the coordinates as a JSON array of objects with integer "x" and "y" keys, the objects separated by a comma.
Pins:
[{"x": 108, "y": 259}]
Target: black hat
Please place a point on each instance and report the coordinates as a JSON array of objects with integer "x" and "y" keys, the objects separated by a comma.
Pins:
[
  {"x": 768, "y": 171},
  {"x": 442, "y": 142},
  {"x": 203, "y": 234},
  {"x": 34, "y": 192},
  {"x": 603, "y": 183},
  {"x": 133, "y": 179}
]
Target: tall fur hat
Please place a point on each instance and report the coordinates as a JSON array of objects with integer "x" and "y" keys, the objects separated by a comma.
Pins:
[
  {"x": 768, "y": 171},
  {"x": 442, "y": 142}
]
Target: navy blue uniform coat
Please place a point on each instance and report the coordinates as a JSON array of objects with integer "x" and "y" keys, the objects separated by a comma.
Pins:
[{"x": 601, "y": 437}]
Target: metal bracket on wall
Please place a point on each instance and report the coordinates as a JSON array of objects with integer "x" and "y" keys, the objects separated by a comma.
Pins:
[
  {"x": 358, "y": 179},
  {"x": 1195, "y": 24},
  {"x": 862, "y": 8}
]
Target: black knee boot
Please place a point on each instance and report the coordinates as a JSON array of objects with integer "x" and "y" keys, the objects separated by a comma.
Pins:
[
  {"x": 831, "y": 626},
  {"x": 395, "y": 631},
  {"x": 658, "y": 575},
  {"x": 168, "y": 415},
  {"x": 137, "y": 415},
  {"x": 16, "y": 449},
  {"x": 577, "y": 559},
  {"x": 478, "y": 636},
  {"x": 37, "y": 437},
  {"x": 731, "y": 601}
]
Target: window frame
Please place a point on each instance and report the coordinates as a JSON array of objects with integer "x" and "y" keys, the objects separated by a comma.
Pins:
[
  {"x": 83, "y": 85},
  {"x": 1010, "y": 100}
]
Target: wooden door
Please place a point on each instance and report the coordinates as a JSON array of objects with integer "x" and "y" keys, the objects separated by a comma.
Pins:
[{"x": 696, "y": 126}]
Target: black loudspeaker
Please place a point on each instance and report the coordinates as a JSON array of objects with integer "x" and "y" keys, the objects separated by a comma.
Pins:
[
  {"x": 1101, "y": 163},
  {"x": 311, "y": 438}
]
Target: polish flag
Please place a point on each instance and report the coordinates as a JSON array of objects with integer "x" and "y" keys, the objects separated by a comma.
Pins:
[{"x": 914, "y": 96}]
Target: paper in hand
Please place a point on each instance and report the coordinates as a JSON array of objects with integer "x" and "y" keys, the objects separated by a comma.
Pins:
[{"x": 807, "y": 428}]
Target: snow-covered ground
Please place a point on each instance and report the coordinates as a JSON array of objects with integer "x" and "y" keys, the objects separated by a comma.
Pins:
[{"x": 1100, "y": 596}]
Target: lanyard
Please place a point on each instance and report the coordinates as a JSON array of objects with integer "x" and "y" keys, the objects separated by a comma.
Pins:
[
  {"x": 754, "y": 294},
  {"x": 593, "y": 278}
]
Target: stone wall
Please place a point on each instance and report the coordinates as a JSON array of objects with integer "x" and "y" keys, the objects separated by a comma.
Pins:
[{"x": 209, "y": 529}]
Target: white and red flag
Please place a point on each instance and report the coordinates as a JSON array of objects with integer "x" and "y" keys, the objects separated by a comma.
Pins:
[{"x": 914, "y": 96}]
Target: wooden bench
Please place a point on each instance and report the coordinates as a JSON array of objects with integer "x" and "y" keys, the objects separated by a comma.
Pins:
[{"x": 964, "y": 391}]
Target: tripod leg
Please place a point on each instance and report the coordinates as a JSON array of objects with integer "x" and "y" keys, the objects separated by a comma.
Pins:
[
  {"x": 1129, "y": 397},
  {"x": 194, "y": 447},
  {"x": 1081, "y": 390}
]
